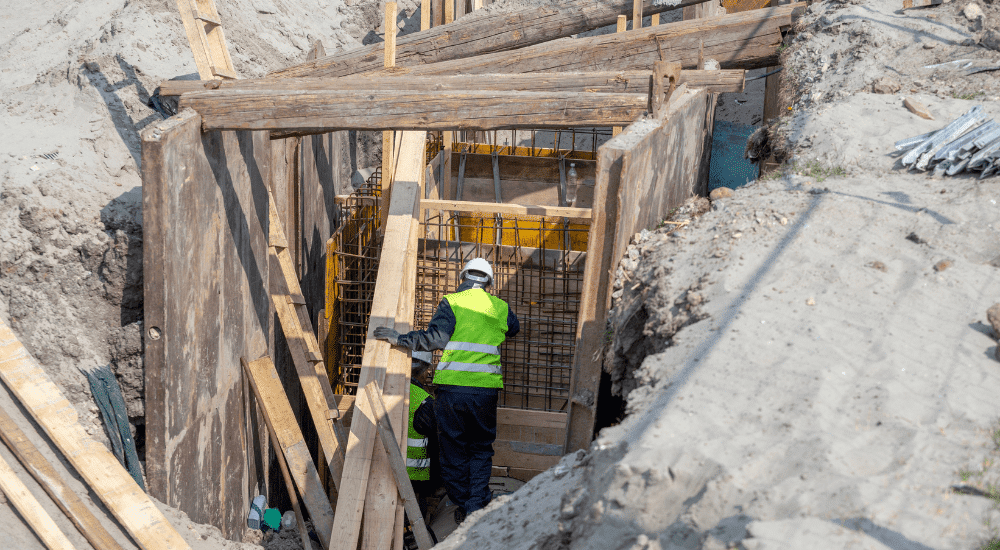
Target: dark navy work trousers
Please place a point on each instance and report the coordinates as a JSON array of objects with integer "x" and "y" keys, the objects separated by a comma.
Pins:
[{"x": 467, "y": 427}]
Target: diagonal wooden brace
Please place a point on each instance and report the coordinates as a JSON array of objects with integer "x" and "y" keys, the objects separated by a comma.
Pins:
[{"x": 406, "y": 493}]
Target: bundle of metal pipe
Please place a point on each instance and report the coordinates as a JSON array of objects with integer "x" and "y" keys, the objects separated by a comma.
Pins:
[{"x": 970, "y": 143}]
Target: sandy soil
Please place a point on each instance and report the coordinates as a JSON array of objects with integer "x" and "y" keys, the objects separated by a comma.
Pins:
[
  {"x": 808, "y": 363},
  {"x": 76, "y": 79}
]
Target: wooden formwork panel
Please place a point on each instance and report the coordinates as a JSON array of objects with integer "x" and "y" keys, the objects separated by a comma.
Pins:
[
  {"x": 642, "y": 174},
  {"x": 207, "y": 303},
  {"x": 205, "y": 218}
]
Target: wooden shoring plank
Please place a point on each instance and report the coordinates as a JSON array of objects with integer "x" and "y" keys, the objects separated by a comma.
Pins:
[
  {"x": 53, "y": 484},
  {"x": 619, "y": 82},
  {"x": 746, "y": 40},
  {"x": 282, "y": 424},
  {"x": 304, "y": 348},
  {"x": 391, "y": 446},
  {"x": 28, "y": 506},
  {"x": 425, "y": 14},
  {"x": 381, "y": 110},
  {"x": 506, "y": 208},
  {"x": 389, "y": 287},
  {"x": 98, "y": 467},
  {"x": 636, "y": 14},
  {"x": 477, "y": 35},
  {"x": 381, "y": 506}
]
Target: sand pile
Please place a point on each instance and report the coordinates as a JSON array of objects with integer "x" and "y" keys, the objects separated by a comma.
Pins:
[
  {"x": 808, "y": 363},
  {"x": 76, "y": 82}
]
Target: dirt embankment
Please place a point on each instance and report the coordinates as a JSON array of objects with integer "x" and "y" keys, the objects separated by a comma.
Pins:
[{"x": 807, "y": 363}]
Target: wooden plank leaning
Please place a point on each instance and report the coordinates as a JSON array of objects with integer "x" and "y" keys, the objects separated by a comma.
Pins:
[
  {"x": 98, "y": 467},
  {"x": 53, "y": 484},
  {"x": 287, "y": 438},
  {"x": 293, "y": 316},
  {"x": 208, "y": 41},
  {"x": 390, "y": 443},
  {"x": 393, "y": 269},
  {"x": 34, "y": 515},
  {"x": 382, "y": 508}
]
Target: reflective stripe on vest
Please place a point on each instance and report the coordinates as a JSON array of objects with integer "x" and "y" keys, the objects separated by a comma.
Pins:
[
  {"x": 475, "y": 348},
  {"x": 472, "y": 356},
  {"x": 418, "y": 463}
]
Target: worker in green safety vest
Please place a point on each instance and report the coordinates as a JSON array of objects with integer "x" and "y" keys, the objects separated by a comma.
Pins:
[
  {"x": 469, "y": 325},
  {"x": 421, "y": 450}
]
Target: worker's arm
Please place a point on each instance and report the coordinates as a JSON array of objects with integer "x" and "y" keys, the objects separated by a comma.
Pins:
[
  {"x": 513, "y": 325},
  {"x": 424, "y": 421},
  {"x": 438, "y": 332}
]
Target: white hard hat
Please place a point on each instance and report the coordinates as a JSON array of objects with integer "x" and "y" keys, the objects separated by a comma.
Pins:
[
  {"x": 424, "y": 356},
  {"x": 478, "y": 264}
]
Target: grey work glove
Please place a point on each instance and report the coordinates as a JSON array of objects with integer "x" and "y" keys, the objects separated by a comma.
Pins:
[{"x": 387, "y": 334}]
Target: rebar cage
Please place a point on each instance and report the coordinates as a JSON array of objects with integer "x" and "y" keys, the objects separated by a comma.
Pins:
[{"x": 538, "y": 268}]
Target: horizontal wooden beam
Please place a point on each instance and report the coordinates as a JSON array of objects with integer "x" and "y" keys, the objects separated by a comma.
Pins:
[
  {"x": 534, "y": 419},
  {"x": 745, "y": 40},
  {"x": 623, "y": 82},
  {"x": 477, "y": 34},
  {"x": 504, "y": 208},
  {"x": 382, "y": 110}
]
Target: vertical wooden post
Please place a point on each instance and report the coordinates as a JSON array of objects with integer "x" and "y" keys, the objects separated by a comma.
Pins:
[
  {"x": 654, "y": 20},
  {"x": 449, "y": 11},
  {"x": 389, "y": 61},
  {"x": 622, "y": 25},
  {"x": 438, "y": 13},
  {"x": 425, "y": 14},
  {"x": 636, "y": 14}
]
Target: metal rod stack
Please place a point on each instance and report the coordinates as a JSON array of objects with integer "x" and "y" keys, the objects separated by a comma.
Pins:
[{"x": 970, "y": 143}]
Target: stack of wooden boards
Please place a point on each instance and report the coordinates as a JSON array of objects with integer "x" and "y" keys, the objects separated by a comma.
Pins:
[
  {"x": 44, "y": 401},
  {"x": 485, "y": 71}
]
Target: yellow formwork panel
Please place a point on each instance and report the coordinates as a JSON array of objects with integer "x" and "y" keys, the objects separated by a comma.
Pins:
[
  {"x": 734, "y": 6},
  {"x": 528, "y": 231},
  {"x": 519, "y": 151}
]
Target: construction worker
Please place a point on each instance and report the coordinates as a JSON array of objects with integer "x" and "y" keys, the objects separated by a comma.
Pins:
[
  {"x": 421, "y": 450},
  {"x": 469, "y": 326}
]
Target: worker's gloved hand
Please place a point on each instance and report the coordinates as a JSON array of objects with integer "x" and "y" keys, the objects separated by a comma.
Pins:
[{"x": 387, "y": 334}]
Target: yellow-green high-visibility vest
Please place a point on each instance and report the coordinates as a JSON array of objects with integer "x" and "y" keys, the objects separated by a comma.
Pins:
[
  {"x": 418, "y": 462},
  {"x": 472, "y": 356}
]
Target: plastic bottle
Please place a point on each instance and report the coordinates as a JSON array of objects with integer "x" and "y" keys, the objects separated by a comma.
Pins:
[
  {"x": 572, "y": 185},
  {"x": 288, "y": 520}
]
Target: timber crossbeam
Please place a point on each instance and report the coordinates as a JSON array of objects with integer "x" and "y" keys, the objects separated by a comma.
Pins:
[
  {"x": 326, "y": 111},
  {"x": 620, "y": 82},
  {"x": 478, "y": 34}
]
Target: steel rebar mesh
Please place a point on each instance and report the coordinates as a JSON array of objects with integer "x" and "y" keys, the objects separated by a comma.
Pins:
[
  {"x": 354, "y": 254},
  {"x": 541, "y": 285}
]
